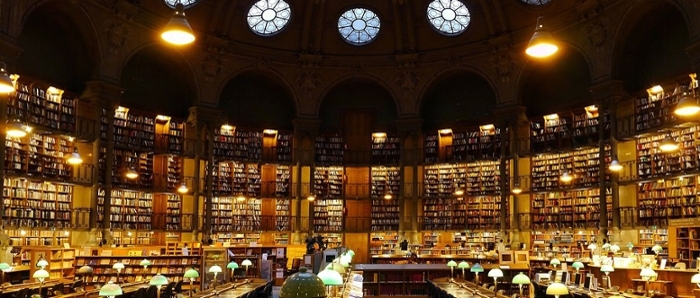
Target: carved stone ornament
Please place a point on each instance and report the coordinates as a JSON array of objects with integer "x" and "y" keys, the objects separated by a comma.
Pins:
[
  {"x": 407, "y": 80},
  {"x": 117, "y": 34},
  {"x": 596, "y": 32},
  {"x": 211, "y": 66},
  {"x": 309, "y": 81},
  {"x": 502, "y": 62}
]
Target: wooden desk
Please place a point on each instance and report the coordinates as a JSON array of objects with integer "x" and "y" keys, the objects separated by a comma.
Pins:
[
  {"x": 233, "y": 290},
  {"x": 461, "y": 288},
  {"x": 679, "y": 280}
]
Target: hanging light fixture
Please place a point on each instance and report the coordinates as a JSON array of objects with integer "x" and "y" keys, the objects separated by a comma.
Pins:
[
  {"x": 688, "y": 104},
  {"x": 74, "y": 158},
  {"x": 310, "y": 198},
  {"x": 16, "y": 129},
  {"x": 131, "y": 174},
  {"x": 178, "y": 30},
  {"x": 459, "y": 192},
  {"x": 542, "y": 43},
  {"x": 566, "y": 177},
  {"x": 183, "y": 188},
  {"x": 668, "y": 144},
  {"x": 388, "y": 196},
  {"x": 615, "y": 166},
  {"x": 240, "y": 198},
  {"x": 516, "y": 190},
  {"x": 6, "y": 84}
]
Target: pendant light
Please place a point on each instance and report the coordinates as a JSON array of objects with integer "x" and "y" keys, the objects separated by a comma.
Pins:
[
  {"x": 131, "y": 174},
  {"x": 183, "y": 188},
  {"x": 688, "y": 104},
  {"x": 516, "y": 190},
  {"x": 310, "y": 198},
  {"x": 668, "y": 144},
  {"x": 240, "y": 198},
  {"x": 178, "y": 30},
  {"x": 6, "y": 84},
  {"x": 542, "y": 43},
  {"x": 459, "y": 192},
  {"x": 16, "y": 129},
  {"x": 615, "y": 166},
  {"x": 566, "y": 177},
  {"x": 74, "y": 158},
  {"x": 388, "y": 196}
]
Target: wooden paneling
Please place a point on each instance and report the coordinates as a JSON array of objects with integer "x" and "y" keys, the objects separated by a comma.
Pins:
[
  {"x": 359, "y": 243},
  {"x": 358, "y": 208},
  {"x": 357, "y": 185},
  {"x": 269, "y": 178}
]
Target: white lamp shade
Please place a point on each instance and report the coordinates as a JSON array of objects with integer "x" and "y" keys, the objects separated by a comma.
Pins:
[
  {"x": 657, "y": 248},
  {"x": 41, "y": 273},
  {"x": 344, "y": 261},
  {"x": 606, "y": 246},
  {"x": 215, "y": 269},
  {"x": 145, "y": 262},
  {"x": 158, "y": 280},
  {"x": 330, "y": 277},
  {"x": 607, "y": 268},
  {"x": 111, "y": 289},
  {"x": 85, "y": 270},
  {"x": 247, "y": 262},
  {"x": 554, "y": 262},
  {"x": 614, "y": 248},
  {"x": 495, "y": 272},
  {"x": 695, "y": 279},
  {"x": 42, "y": 263},
  {"x": 647, "y": 273},
  {"x": 592, "y": 246},
  {"x": 118, "y": 266},
  {"x": 521, "y": 279},
  {"x": 557, "y": 289}
]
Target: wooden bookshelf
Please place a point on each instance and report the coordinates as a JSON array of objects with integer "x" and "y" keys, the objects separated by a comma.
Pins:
[
  {"x": 173, "y": 212},
  {"x": 562, "y": 243},
  {"x": 579, "y": 209},
  {"x": 656, "y": 109},
  {"x": 283, "y": 185},
  {"x": 381, "y": 243},
  {"x": 482, "y": 178},
  {"x": 37, "y": 204},
  {"x": 41, "y": 156},
  {"x": 431, "y": 147},
  {"x": 169, "y": 135},
  {"x": 385, "y": 212},
  {"x": 283, "y": 147},
  {"x": 651, "y": 237},
  {"x": 664, "y": 199},
  {"x": 276, "y": 254},
  {"x": 24, "y": 237},
  {"x": 328, "y": 182},
  {"x": 224, "y": 140},
  {"x": 652, "y": 162},
  {"x": 234, "y": 178},
  {"x": 482, "y": 213},
  {"x": 283, "y": 214},
  {"x": 61, "y": 261},
  {"x": 551, "y": 132},
  {"x": 228, "y": 238},
  {"x": 687, "y": 246},
  {"x": 130, "y": 210},
  {"x": 386, "y": 150},
  {"x": 582, "y": 164},
  {"x": 444, "y": 214},
  {"x": 332, "y": 239},
  {"x": 329, "y": 150},
  {"x": 481, "y": 143},
  {"x": 42, "y": 105},
  {"x": 222, "y": 213},
  {"x": 247, "y": 145},
  {"x": 328, "y": 215},
  {"x": 246, "y": 214},
  {"x": 133, "y": 130},
  {"x": 173, "y": 267}
]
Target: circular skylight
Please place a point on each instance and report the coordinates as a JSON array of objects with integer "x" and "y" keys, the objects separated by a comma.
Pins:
[
  {"x": 358, "y": 26},
  {"x": 450, "y": 17},
  {"x": 267, "y": 17},
  {"x": 536, "y": 2},
  {"x": 185, "y": 3}
]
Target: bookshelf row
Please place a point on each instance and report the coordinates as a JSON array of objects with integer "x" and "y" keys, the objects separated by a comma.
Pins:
[
  {"x": 576, "y": 209},
  {"x": 472, "y": 179},
  {"x": 40, "y": 156},
  {"x": 568, "y": 129},
  {"x": 42, "y": 105},
  {"x": 582, "y": 164},
  {"x": 471, "y": 213},
  {"x": 656, "y": 109},
  {"x": 661, "y": 200},
  {"x": 482, "y": 143}
]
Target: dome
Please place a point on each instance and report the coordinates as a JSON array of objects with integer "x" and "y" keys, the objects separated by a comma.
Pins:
[{"x": 302, "y": 284}]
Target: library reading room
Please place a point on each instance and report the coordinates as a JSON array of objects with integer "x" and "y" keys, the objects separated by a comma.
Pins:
[{"x": 350, "y": 149}]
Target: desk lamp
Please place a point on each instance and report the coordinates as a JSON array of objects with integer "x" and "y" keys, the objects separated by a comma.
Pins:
[
  {"x": 191, "y": 274},
  {"x": 330, "y": 278},
  {"x": 85, "y": 271},
  {"x": 111, "y": 290},
  {"x": 520, "y": 280},
  {"x": 696, "y": 279},
  {"x": 337, "y": 267},
  {"x": 345, "y": 260},
  {"x": 145, "y": 263},
  {"x": 303, "y": 284},
  {"x": 647, "y": 274},
  {"x": 158, "y": 281},
  {"x": 577, "y": 266},
  {"x": 463, "y": 265},
  {"x": 592, "y": 247},
  {"x": 42, "y": 263},
  {"x": 233, "y": 266},
  {"x": 657, "y": 249},
  {"x": 554, "y": 262},
  {"x": 607, "y": 269},
  {"x": 630, "y": 246},
  {"x": 476, "y": 269},
  {"x": 606, "y": 247},
  {"x": 216, "y": 270},
  {"x": 614, "y": 248},
  {"x": 495, "y": 273},
  {"x": 41, "y": 275},
  {"x": 118, "y": 266},
  {"x": 247, "y": 263},
  {"x": 557, "y": 289},
  {"x": 4, "y": 267},
  {"x": 350, "y": 252},
  {"x": 452, "y": 264}
]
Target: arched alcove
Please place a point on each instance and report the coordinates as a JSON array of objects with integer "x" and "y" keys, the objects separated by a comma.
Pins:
[
  {"x": 556, "y": 84},
  {"x": 58, "y": 46},
  {"x": 459, "y": 99},
  {"x": 157, "y": 79},
  {"x": 255, "y": 100},
  {"x": 651, "y": 46},
  {"x": 357, "y": 97}
]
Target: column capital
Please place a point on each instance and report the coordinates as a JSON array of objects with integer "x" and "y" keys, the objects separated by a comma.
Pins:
[
  {"x": 409, "y": 126},
  {"x": 102, "y": 94},
  {"x": 510, "y": 114},
  {"x": 306, "y": 126},
  {"x": 609, "y": 92},
  {"x": 203, "y": 115}
]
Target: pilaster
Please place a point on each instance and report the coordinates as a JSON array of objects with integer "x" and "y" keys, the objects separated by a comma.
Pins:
[
  {"x": 305, "y": 132},
  {"x": 410, "y": 132}
]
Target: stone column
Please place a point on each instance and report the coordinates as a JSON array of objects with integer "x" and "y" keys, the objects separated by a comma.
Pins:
[
  {"x": 410, "y": 132},
  {"x": 305, "y": 131}
]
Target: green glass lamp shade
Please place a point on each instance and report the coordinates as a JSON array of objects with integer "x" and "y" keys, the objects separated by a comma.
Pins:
[
  {"x": 554, "y": 262},
  {"x": 557, "y": 289},
  {"x": 577, "y": 265},
  {"x": 477, "y": 268},
  {"x": 614, "y": 248},
  {"x": 350, "y": 252},
  {"x": 158, "y": 280},
  {"x": 191, "y": 273},
  {"x": 521, "y": 279},
  {"x": 451, "y": 264},
  {"x": 495, "y": 272},
  {"x": 111, "y": 289},
  {"x": 607, "y": 268},
  {"x": 5, "y": 267},
  {"x": 42, "y": 263},
  {"x": 647, "y": 273},
  {"x": 330, "y": 277},
  {"x": 247, "y": 262},
  {"x": 145, "y": 262},
  {"x": 695, "y": 279},
  {"x": 463, "y": 265},
  {"x": 630, "y": 245},
  {"x": 215, "y": 269},
  {"x": 657, "y": 248},
  {"x": 118, "y": 266},
  {"x": 85, "y": 270},
  {"x": 232, "y": 265},
  {"x": 41, "y": 273},
  {"x": 337, "y": 267},
  {"x": 303, "y": 284}
]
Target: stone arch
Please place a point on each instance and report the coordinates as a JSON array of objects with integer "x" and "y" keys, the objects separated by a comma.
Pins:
[
  {"x": 60, "y": 44},
  {"x": 361, "y": 77},
  {"x": 272, "y": 103}
]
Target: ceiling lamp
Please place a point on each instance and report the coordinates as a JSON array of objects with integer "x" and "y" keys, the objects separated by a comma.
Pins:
[
  {"x": 566, "y": 177},
  {"x": 310, "y": 198},
  {"x": 388, "y": 196},
  {"x": 183, "y": 188},
  {"x": 74, "y": 158},
  {"x": 615, "y": 166},
  {"x": 516, "y": 190},
  {"x": 459, "y": 192},
  {"x": 131, "y": 174},
  {"x": 178, "y": 30},
  {"x": 668, "y": 144},
  {"x": 240, "y": 198},
  {"x": 15, "y": 129},
  {"x": 542, "y": 43},
  {"x": 6, "y": 84},
  {"x": 688, "y": 104}
]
